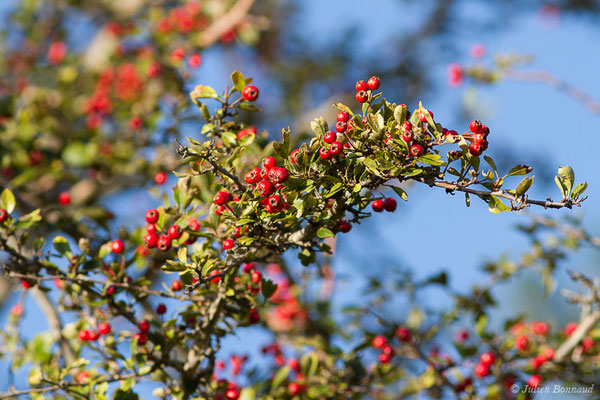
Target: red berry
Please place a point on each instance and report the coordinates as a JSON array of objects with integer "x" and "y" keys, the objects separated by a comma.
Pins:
[
  {"x": 549, "y": 353},
  {"x": 534, "y": 381},
  {"x": 265, "y": 188},
  {"x": 403, "y": 334},
  {"x": 278, "y": 175},
  {"x": 385, "y": 358},
  {"x": 482, "y": 370},
  {"x": 485, "y": 130},
  {"x": 144, "y": 326},
  {"x": 163, "y": 243},
  {"x": 275, "y": 202},
  {"x": 475, "y": 126},
  {"x": 3, "y": 215},
  {"x": 487, "y": 358},
  {"x": 407, "y": 136},
  {"x": 228, "y": 244},
  {"x": 104, "y": 328},
  {"x": 330, "y": 137},
  {"x": 151, "y": 216},
  {"x": 84, "y": 335},
  {"x": 251, "y": 130},
  {"x": 232, "y": 394},
  {"x": 256, "y": 277},
  {"x": 194, "y": 224},
  {"x": 362, "y": 96},
  {"x": 377, "y": 205},
  {"x": 222, "y": 198},
  {"x": 407, "y": 126},
  {"x": 269, "y": 162},
  {"x": 423, "y": 116},
  {"x": 151, "y": 240},
  {"x": 570, "y": 328},
  {"x": 325, "y": 153},
  {"x": 293, "y": 155},
  {"x": 361, "y": 86},
  {"x": 522, "y": 342},
  {"x": 475, "y": 149},
  {"x": 250, "y": 93},
  {"x": 64, "y": 198},
  {"x": 175, "y": 232},
  {"x": 587, "y": 343},
  {"x": 478, "y": 138},
  {"x": 294, "y": 389},
  {"x": 336, "y": 148},
  {"x": 220, "y": 209},
  {"x": 253, "y": 317},
  {"x": 451, "y": 132},
  {"x": 390, "y": 204},
  {"x": 161, "y": 309},
  {"x": 151, "y": 228},
  {"x": 176, "y": 286},
  {"x": 93, "y": 335},
  {"x": 194, "y": 60},
  {"x": 539, "y": 327},
  {"x": 387, "y": 350},
  {"x": 416, "y": 150},
  {"x": 373, "y": 83},
  {"x": 341, "y": 126},
  {"x": 344, "y": 226},
  {"x": 343, "y": 116},
  {"x": 141, "y": 338},
  {"x": 160, "y": 178},
  {"x": 117, "y": 246},
  {"x": 253, "y": 176},
  {"x": 379, "y": 342}
]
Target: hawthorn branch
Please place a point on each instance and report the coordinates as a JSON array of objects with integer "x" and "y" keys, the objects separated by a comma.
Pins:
[
  {"x": 568, "y": 203},
  {"x": 582, "y": 329},
  {"x": 225, "y": 23}
]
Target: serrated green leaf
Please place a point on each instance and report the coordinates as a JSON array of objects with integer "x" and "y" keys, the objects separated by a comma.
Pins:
[
  {"x": 204, "y": 92},
  {"x": 324, "y": 233},
  {"x": 238, "y": 80},
  {"x": 432, "y": 159}
]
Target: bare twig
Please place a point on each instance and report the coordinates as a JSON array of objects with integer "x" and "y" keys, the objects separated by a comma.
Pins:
[{"x": 225, "y": 23}]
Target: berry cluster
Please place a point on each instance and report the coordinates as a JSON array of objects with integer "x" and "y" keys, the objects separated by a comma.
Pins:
[
  {"x": 164, "y": 240},
  {"x": 478, "y": 137},
  {"x": 387, "y": 351},
  {"x": 363, "y": 89},
  {"x": 335, "y": 147},
  {"x": 269, "y": 181}
]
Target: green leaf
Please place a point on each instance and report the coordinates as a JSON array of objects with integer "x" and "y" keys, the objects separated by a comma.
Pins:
[
  {"x": 173, "y": 266},
  {"x": 324, "y": 232},
  {"x": 7, "y": 200},
  {"x": 491, "y": 163},
  {"x": 27, "y": 220},
  {"x": 247, "y": 393},
  {"x": 126, "y": 394},
  {"x": 238, "y": 80},
  {"x": 205, "y": 113},
  {"x": 268, "y": 288},
  {"x": 568, "y": 178},
  {"x": 579, "y": 189},
  {"x": 319, "y": 126},
  {"x": 481, "y": 324},
  {"x": 279, "y": 377},
  {"x": 519, "y": 170},
  {"x": 204, "y": 92},
  {"x": 400, "y": 192},
  {"x": 229, "y": 138},
  {"x": 432, "y": 159},
  {"x": 336, "y": 188},
  {"x": 524, "y": 186},
  {"x": 61, "y": 245},
  {"x": 105, "y": 250},
  {"x": 248, "y": 107},
  {"x": 496, "y": 205},
  {"x": 283, "y": 148},
  {"x": 400, "y": 114},
  {"x": 561, "y": 186}
]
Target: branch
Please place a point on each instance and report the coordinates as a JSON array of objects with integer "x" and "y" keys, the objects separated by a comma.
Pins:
[
  {"x": 582, "y": 329},
  {"x": 500, "y": 193},
  {"x": 225, "y": 23}
]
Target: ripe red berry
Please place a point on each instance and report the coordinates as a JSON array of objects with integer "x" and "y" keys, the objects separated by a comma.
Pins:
[
  {"x": 587, "y": 343},
  {"x": 361, "y": 86},
  {"x": 64, "y": 198},
  {"x": 324, "y": 153},
  {"x": 487, "y": 358},
  {"x": 228, "y": 244},
  {"x": 336, "y": 148},
  {"x": 161, "y": 309},
  {"x": 423, "y": 116},
  {"x": 390, "y": 204},
  {"x": 194, "y": 224},
  {"x": 265, "y": 188},
  {"x": 275, "y": 202},
  {"x": 294, "y": 155},
  {"x": 549, "y": 353},
  {"x": 475, "y": 149},
  {"x": 539, "y": 327},
  {"x": 195, "y": 60},
  {"x": 256, "y": 277},
  {"x": 344, "y": 226},
  {"x": 141, "y": 338},
  {"x": 144, "y": 326},
  {"x": 403, "y": 334},
  {"x": 341, "y": 126},
  {"x": 385, "y": 358},
  {"x": 251, "y": 130},
  {"x": 278, "y": 175},
  {"x": 379, "y": 342},
  {"x": 160, "y": 178},
  {"x": 343, "y": 116},
  {"x": 570, "y": 328},
  {"x": 253, "y": 176},
  {"x": 416, "y": 150},
  {"x": 522, "y": 342},
  {"x": 534, "y": 381},
  {"x": 151, "y": 216},
  {"x": 104, "y": 328},
  {"x": 117, "y": 246},
  {"x": 250, "y": 93},
  {"x": 485, "y": 130},
  {"x": 175, "y": 232},
  {"x": 478, "y": 138},
  {"x": 3, "y": 215},
  {"x": 475, "y": 126},
  {"x": 151, "y": 240},
  {"x": 362, "y": 96},
  {"x": 253, "y": 317},
  {"x": 330, "y": 137},
  {"x": 220, "y": 209},
  {"x": 151, "y": 228},
  {"x": 269, "y": 162},
  {"x": 482, "y": 370},
  {"x": 377, "y": 205},
  {"x": 407, "y": 126},
  {"x": 84, "y": 335},
  {"x": 294, "y": 389},
  {"x": 373, "y": 83},
  {"x": 176, "y": 286},
  {"x": 222, "y": 198},
  {"x": 93, "y": 335},
  {"x": 232, "y": 394},
  {"x": 163, "y": 243}
]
